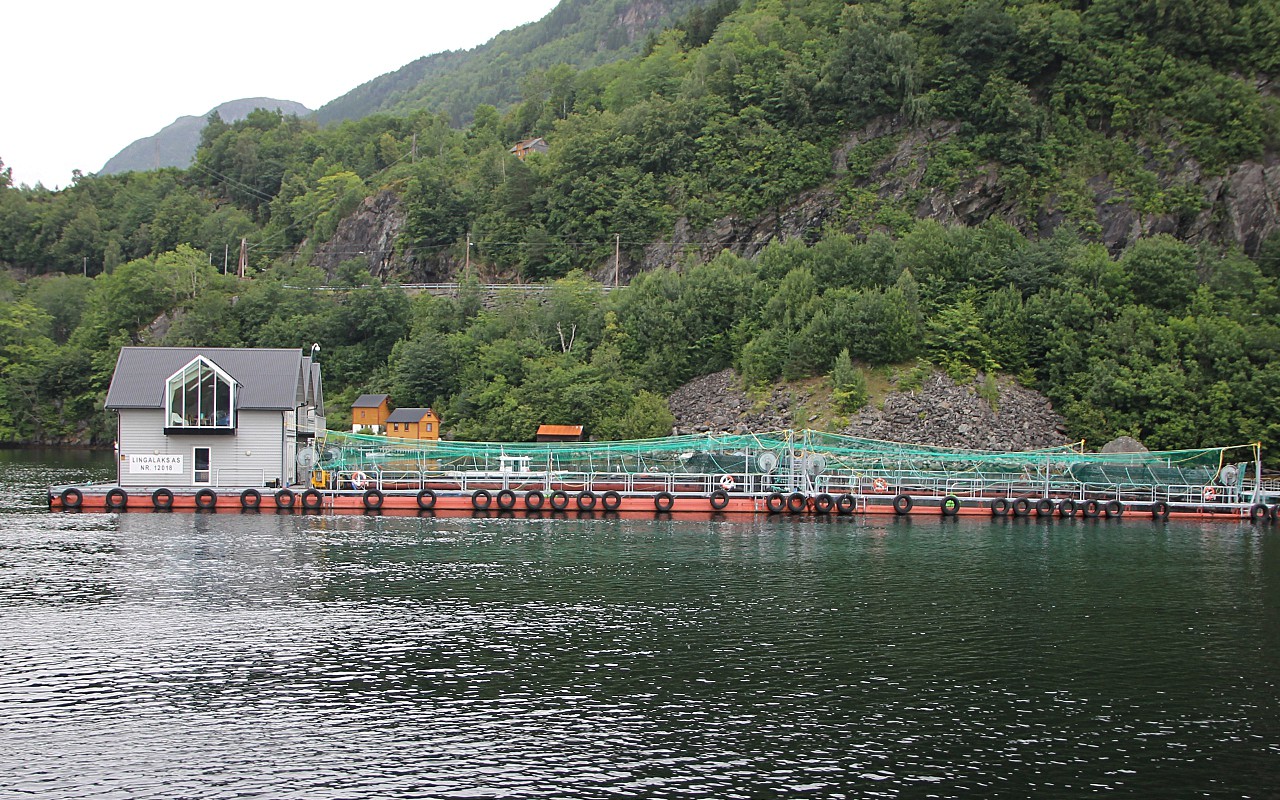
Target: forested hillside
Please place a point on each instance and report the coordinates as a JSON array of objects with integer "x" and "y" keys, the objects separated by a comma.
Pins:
[
  {"x": 577, "y": 34},
  {"x": 1082, "y": 197}
]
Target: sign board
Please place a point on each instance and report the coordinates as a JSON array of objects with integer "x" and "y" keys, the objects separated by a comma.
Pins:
[{"x": 155, "y": 465}]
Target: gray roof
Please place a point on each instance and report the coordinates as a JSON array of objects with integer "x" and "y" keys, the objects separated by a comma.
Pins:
[
  {"x": 369, "y": 400},
  {"x": 408, "y": 414},
  {"x": 267, "y": 378}
]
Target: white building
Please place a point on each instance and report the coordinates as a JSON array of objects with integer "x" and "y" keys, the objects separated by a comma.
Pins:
[{"x": 191, "y": 416}]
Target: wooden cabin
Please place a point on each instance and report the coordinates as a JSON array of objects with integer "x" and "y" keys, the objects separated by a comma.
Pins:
[
  {"x": 369, "y": 413},
  {"x": 215, "y": 416},
  {"x": 561, "y": 433},
  {"x": 524, "y": 147},
  {"x": 414, "y": 423}
]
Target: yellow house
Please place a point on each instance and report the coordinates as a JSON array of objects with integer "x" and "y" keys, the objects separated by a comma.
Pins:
[
  {"x": 370, "y": 411},
  {"x": 413, "y": 423}
]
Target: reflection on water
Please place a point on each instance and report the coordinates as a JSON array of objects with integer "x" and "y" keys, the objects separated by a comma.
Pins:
[{"x": 212, "y": 655}]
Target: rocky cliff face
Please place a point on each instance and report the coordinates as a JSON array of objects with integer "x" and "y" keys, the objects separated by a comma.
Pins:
[
  {"x": 368, "y": 235},
  {"x": 940, "y": 413}
]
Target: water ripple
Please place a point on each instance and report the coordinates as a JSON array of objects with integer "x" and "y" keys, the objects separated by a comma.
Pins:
[{"x": 210, "y": 656}]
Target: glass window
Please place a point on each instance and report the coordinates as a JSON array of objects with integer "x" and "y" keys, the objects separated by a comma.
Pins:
[
  {"x": 201, "y": 459},
  {"x": 200, "y": 395}
]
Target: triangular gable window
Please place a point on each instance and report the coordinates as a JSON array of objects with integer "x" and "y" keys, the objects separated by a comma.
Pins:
[{"x": 200, "y": 396}]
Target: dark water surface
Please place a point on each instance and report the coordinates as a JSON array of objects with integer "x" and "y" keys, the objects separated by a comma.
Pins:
[{"x": 263, "y": 655}]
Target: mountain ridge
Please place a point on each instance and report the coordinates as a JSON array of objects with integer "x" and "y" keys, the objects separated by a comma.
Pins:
[{"x": 175, "y": 144}]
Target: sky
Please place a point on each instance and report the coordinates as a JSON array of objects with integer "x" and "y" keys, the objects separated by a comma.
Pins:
[{"x": 81, "y": 80}]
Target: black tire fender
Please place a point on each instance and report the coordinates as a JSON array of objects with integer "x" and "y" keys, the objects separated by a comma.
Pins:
[
  {"x": 162, "y": 499},
  {"x": 71, "y": 498},
  {"x": 117, "y": 499},
  {"x": 206, "y": 499},
  {"x": 250, "y": 499}
]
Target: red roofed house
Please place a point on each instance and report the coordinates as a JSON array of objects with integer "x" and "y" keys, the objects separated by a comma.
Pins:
[{"x": 561, "y": 433}]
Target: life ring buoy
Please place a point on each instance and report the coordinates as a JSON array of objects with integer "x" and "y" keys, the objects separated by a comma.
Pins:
[
  {"x": 206, "y": 499},
  {"x": 719, "y": 499},
  {"x": 506, "y": 499},
  {"x": 250, "y": 499},
  {"x": 359, "y": 480},
  {"x": 284, "y": 499},
  {"x": 162, "y": 499},
  {"x": 727, "y": 483},
  {"x": 312, "y": 500},
  {"x": 775, "y": 503},
  {"x": 71, "y": 498},
  {"x": 117, "y": 499},
  {"x": 663, "y": 501},
  {"x": 902, "y": 504},
  {"x": 426, "y": 499},
  {"x": 880, "y": 485},
  {"x": 372, "y": 499},
  {"x": 1210, "y": 494},
  {"x": 610, "y": 500},
  {"x": 534, "y": 499},
  {"x": 950, "y": 505},
  {"x": 824, "y": 504},
  {"x": 797, "y": 502},
  {"x": 481, "y": 499}
]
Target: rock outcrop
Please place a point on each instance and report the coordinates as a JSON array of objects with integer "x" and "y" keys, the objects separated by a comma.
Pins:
[
  {"x": 941, "y": 413},
  {"x": 947, "y": 414}
]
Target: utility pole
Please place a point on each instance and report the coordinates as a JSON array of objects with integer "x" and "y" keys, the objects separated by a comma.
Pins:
[
  {"x": 617, "y": 257},
  {"x": 226, "y": 254},
  {"x": 413, "y": 151},
  {"x": 86, "y": 266},
  {"x": 244, "y": 258}
]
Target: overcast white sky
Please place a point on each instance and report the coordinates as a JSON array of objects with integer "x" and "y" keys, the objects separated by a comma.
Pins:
[{"x": 81, "y": 80}]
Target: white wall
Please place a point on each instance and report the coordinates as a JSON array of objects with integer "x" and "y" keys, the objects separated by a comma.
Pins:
[{"x": 253, "y": 456}]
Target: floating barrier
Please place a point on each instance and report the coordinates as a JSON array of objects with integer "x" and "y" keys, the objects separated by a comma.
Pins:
[{"x": 791, "y": 473}]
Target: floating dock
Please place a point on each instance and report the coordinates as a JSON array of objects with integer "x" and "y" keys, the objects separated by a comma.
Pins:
[{"x": 805, "y": 472}]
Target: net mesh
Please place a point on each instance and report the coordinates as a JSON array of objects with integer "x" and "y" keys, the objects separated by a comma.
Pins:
[{"x": 811, "y": 452}]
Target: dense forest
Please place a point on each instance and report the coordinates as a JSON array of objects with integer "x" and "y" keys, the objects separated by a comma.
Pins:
[{"x": 734, "y": 114}]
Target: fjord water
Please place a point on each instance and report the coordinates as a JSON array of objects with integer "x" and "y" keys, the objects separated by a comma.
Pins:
[{"x": 265, "y": 655}]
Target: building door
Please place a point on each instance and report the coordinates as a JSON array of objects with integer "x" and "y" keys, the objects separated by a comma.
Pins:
[{"x": 203, "y": 474}]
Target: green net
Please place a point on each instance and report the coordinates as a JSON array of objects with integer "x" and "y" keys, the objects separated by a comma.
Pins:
[{"x": 781, "y": 452}]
